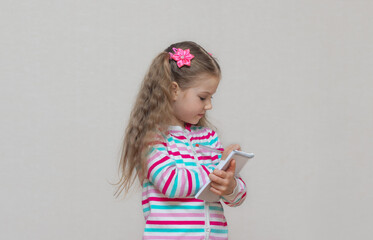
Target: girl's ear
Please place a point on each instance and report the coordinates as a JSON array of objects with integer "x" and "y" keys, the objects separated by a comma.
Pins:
[{"x": 175, "y": 89}]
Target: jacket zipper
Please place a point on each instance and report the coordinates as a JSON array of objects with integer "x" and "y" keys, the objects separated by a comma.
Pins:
[
  {"x": 206, "y": 204},
  {"x": 207, "y": 221}
]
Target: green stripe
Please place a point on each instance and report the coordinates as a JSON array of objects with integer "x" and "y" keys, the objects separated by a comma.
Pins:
[
  {"x": 173, "y": 191},
  {"x": 147, "y": 184},
  {"x": 150, "y": 152},
  {"x": 180, "y": 161},
  {"x": 177, "y": 141},
  {"x": 197, "y": 181},
  {"x": 177, "y": 207},
  {"x": 216, "y": 208},
  {"x": 190, "y": 164},
  {"x": 208, "y": 143},
  {"x": 161, "y": 149},
  {"x": 160, "y": 169},
  {"x": 219, "y": 231},
  {"x": 213, "y": 141},
  {"x": 146, "y": 209},
  {"x": 174, "y": 230}
]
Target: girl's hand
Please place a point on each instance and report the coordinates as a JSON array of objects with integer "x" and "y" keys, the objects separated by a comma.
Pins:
[
  {"x": 229, "y": 149},
  {"x": 224, "y": 182}
]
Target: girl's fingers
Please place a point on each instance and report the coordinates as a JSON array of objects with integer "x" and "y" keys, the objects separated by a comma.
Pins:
[
  {"x": 215, "y": 191},
  {"x": 220, "y": 173},
  {"x": 216, "y": 179},
  {"x": 229, "y": 149},
  {"x": 220, "y": 188}
]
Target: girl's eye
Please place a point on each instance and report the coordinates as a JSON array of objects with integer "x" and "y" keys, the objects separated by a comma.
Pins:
[{"x": 203, "y": 99}]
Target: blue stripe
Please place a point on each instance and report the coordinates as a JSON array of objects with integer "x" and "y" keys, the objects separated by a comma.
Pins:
[
  {"x": 219, "y": 231},
  {"x": 147, "y": 184},
  {"x": 146, "y": 209},
  {"x": 190, "y": 164},
  {"x": 208, "y": 143},
  {"x": 177, "y": 207},
  {"x": 160, "y": 169},
  {"x": 178, "y": 141},
  {"x": 161, "y": 149},
  {"x": 173, "y": 191},
  {"x": 216, "y": 208},
  {"x": 213, "y": 141},
  {"x": 197, "y": 181},
  {"x": 181, "y": 161}
]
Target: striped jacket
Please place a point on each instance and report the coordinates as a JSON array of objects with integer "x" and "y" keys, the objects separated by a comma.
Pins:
[{"x": 176, "y": 170}]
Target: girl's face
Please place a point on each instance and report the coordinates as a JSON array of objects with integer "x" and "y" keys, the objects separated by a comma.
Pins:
[{"x": 191, "y": 104}]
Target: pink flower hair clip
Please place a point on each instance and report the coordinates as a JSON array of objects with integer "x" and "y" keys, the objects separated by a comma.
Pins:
[{"x": 182, "y": 57}]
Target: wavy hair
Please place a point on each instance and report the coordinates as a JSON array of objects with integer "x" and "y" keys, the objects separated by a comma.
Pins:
[{"x": 152, "y": 112}]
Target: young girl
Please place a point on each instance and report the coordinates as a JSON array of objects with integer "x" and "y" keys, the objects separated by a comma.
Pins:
[{"x": 166, "y": 123}]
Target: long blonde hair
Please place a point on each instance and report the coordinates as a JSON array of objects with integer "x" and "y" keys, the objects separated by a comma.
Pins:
[{"x": 152, "y": 111}]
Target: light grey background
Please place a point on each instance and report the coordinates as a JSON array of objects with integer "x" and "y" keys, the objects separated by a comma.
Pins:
[{"x": 296, "y": 90}]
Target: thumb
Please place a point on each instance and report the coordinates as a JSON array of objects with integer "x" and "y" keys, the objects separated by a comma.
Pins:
[{"x": 232, "y": 166}]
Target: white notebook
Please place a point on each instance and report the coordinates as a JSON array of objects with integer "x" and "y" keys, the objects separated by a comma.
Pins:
[{"x": 241, "y": 159}]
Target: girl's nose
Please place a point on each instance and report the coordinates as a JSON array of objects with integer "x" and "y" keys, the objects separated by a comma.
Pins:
[{"x": 208, "y": 105}]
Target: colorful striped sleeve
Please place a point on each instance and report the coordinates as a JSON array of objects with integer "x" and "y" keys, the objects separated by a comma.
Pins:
[
  {"x": 172, "y": 180},
  {"x": 238, "y": 196}
]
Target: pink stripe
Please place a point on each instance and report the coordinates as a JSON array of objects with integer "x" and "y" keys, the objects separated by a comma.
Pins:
[
  {"x": 182, "y": 184},
  {"x": 239, "y": 202},
  {"x": 156, "y": 164},
  {"x": 243, "y": 196},
  {"x": 190, "y": 183},
  {"x": 202, "y": 150},
  {"x": 205, "y": 137},
  {"x": 201, "y": 174},
  {"x": 154, "y": 157},
  {"x": 217, "y": 238},
  {"x": 179, "y": 154},
  {"x": 174, "y": 146},
  {"x": 214, "y": 215},
  {"x": 170, "y": 178},
  {"x": 178, "y": 137},
  {"x": 202, "y": 131},
  {"x": 242, "y": 181},
  {"x": 206, "y": 170},
  {"x": 242, "y": 185},
  {"x": 173, "y": 199},
  {"x": 164, "y": 178},
  {"x": 218, "y": 223},
  {"x": 154, "y": 143},
  {"x": 176, "y": 222},
  {"x": 242, "y": 199},
  {"x": 178, "y": 215},
  {"x": 212, "y": 158}
]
